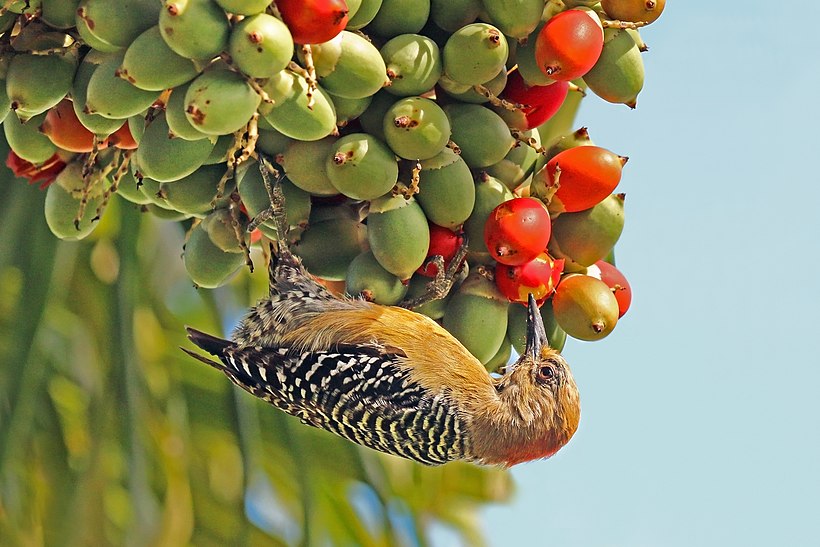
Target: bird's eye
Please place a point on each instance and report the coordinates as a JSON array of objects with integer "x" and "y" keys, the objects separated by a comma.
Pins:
[{"x": 546, "y": 373}]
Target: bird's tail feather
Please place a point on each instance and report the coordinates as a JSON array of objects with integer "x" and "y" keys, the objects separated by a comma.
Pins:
[{"x": 212, "y": 344}]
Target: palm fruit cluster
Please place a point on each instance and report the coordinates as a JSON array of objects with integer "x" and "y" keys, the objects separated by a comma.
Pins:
[{"x": 404, "y": 128}]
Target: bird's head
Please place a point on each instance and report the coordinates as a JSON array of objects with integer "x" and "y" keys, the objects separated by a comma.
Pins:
[{"x": 539, "y": 397}]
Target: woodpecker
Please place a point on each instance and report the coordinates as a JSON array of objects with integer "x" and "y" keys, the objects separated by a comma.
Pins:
[{"x": 391, "y": 379}]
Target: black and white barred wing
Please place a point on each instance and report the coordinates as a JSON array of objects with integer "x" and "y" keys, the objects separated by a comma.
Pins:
[{"x": 361, "y": 394}]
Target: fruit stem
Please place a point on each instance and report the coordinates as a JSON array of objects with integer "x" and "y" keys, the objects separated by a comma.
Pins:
[
  {"x": 623, "y": 25},
  {"x": 496, "y": 101}
]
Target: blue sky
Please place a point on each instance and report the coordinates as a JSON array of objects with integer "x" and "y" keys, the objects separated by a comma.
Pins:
[{"x": 701, "y": 412}]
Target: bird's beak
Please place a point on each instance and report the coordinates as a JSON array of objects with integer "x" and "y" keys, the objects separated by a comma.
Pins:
[{"x": 536, "y": 334}]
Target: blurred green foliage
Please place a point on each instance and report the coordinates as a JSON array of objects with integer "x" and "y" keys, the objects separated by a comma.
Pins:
[{"x": 110, "y": 435}]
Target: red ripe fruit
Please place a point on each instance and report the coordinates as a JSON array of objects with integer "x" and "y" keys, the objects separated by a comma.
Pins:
[
  {"x": 44, "y": 173},
  {"x": 313, "y": 21},
  {"x": 569, "y": 44},
  {"x": 539, "y": 276},
  {"x": 443, "y": 242},
  {"x": 616, "y": 281},
  {"x": 540, "y": 102},
  {"x": 588, "y": 174},
  {"x": 122, "y": 138},
  {"x": 63, "y": 128},
  {"x": 517, "y": 231}
]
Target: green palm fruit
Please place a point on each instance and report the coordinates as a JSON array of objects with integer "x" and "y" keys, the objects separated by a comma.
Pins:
[
  {"x": 400, "y": 17},
  {"x": 481, "y": 134},
  {"x": 209, "y": 266},
  {"x": 515, "y": 18},
  {"x": 413, "y": 64},
  {"x": 112, "y": 97},
  {"x": 163, "y": 159},
  {"x": 349, "y": 66},
  {"x": 35, "y": 83},
  {"x": 26, "y": 139},
  {"x": 585, "y": 237},
  {"x": 398, "y": 234},
  {"x": 446, "y": 189},
  {"x": 290, "y": 113},
  {"x": 62, "y": 204},
  {"x": 477, "y": 316},
  {"x": 618, "y": 75},
  {"x": 361, "y": 167},
  {"x": 260, "y": 45},
  {"x": 416, "y": 128},
  {"x": 196, "y": 29},
  {"x": 475, "y": 53},
  {"x": 151, "y": 65},
  {"x": 220, "y": 102},
  {"x": 366, "y": 277},
  {"x": 304, "y": 163}
]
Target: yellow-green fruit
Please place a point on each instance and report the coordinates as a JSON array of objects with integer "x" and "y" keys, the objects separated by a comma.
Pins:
[
  {"x": 585, "y": 307},
  {"x": 361, "y": 167},
  {"x": 446, "y": 189},
  {"x": 112, "y": 97},
  {"x": 372, "y": 119},
  {"x": 366, "y": 277},
  {"x": 209, "y": 266},
  {"x": 243, "y": 7},
  {"x": 26, "y": 139},
  {"x": 349, "y": 66},
  {"x": 398, "y": 234},
  {"x": 585, "y": 237},
  {"x": 35, "y": 83},
  {"x": 129, "y": 190},
  {"x": 192, "y": 194},
  {"x": 95, "y": 123},
  {"x": 348, "y": 110},
  {"x": 413, "y": 64},
  {"x": 365, "y": 13},
  {"x": 5, "y": 102},
  {"x": 518, "y": 164},
  {"x": 178, "y": 123},
  {"x": 221, "y": 227},
  {"x": 618, "y": 75},
  {"x": 489, "y": 193},
  {"x": 163, "y": 159},
  {"x": 400, "y": 17},
  {"x": 260, "y": 45},
  {"x": 165, "y": 214},
  {"x": 481, "y": 134},
  {"x": 220, "y": 102},
  {"x": 112, "y": 26},
  {"x": 475, "y": 53},
  {"x": 256, "y": 199},
  {"x": 62, "y": 204},
  {"x": 272, "y": 142},
  {"x": 416, "y": 128},
  {"x": 515, "y": 18},
  {"x": 517, "y": 327},
  {"x": 197, "y": 29},
  {"x": 328, "y": 247},
  {"x": 151, "y": 65},
  {"x": 290, "y": 113},
  {"x": 451, "y": 15},
  {"x": 477, "y": 316},
  {"x": 304, "y": 163},
  {"x": 59, "y": 13}
]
